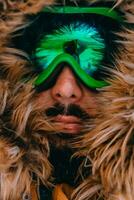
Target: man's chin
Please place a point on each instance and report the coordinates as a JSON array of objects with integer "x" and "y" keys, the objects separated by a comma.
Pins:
[
  {"x": 66, "y": 135},
  {"x": 63, "y": 139}
]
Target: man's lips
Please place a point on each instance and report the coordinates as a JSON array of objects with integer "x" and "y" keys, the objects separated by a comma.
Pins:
[
  {"x": 68, "y": 124},
  {"x": 67, "y": 119}
]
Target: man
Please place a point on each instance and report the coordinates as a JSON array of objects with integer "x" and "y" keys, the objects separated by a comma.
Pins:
[{"x": 66, "y": 128}]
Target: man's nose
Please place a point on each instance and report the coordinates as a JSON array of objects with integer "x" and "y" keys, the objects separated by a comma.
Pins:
[{"x": 66, "y": 89}]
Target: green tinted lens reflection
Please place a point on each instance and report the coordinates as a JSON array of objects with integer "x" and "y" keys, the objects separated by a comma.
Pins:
[
  {"x": 78, "y": 44},
  {"x": 83, "y": 42}
]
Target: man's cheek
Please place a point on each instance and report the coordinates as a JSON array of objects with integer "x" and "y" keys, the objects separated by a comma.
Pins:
[
  {"x": 91, "y": 102},
  {"x": 43, "y": 100}
]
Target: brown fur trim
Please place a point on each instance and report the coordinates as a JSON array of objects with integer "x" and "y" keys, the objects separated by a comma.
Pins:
[
  {"x": 28, "y": 6},
  {"x": 24, "y": 145}
]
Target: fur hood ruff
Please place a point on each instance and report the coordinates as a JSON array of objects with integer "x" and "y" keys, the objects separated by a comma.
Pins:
[{"x": 24, "y": 150}]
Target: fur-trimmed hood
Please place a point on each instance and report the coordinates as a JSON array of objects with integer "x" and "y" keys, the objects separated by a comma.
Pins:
[{"x": 23, "y": 149}]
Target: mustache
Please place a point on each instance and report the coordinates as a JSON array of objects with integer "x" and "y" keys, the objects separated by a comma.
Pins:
[{"x": 69, "y": 110}]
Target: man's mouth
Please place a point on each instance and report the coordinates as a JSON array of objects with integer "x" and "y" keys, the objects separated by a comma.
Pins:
[
  {"x": 68, "y": 124},
  {"x": 67, "y": 120}
]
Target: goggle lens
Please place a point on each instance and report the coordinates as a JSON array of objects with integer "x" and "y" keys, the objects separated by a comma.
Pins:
[
  {"x": 81, "y": 41},
  {"x": 78, "y": 44}
]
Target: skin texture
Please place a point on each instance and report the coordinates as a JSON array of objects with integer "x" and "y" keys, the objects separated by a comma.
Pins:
[{"x": 67, "y": 90}]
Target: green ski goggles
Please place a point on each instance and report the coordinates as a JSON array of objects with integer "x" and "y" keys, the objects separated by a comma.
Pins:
[{"x": 78, "y": 45}]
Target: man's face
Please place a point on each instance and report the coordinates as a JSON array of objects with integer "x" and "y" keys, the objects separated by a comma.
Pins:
[
  {"x": 71, "y": 55},
  {"x": 68, "y": 92}
]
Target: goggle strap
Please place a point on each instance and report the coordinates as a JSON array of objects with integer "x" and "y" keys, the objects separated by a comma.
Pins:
[{"x": 105, "y": 11}]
